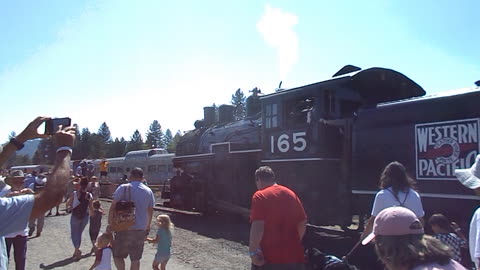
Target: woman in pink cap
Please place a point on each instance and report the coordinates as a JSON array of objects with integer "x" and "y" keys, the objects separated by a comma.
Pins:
[{"x": 401, "y": 244}]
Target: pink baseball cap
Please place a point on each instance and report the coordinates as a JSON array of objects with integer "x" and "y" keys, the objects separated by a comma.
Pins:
[{"x": 395, "y": 220}]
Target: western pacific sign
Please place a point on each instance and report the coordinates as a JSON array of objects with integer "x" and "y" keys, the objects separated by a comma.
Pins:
[{"x": 442, "y": 147}]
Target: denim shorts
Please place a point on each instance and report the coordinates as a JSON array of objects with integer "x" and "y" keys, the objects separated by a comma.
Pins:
[
  {"x": 129, "y": 243},
  {"x": 162, "y": 257}
]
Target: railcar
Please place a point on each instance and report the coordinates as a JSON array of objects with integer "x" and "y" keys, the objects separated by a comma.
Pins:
[
  {"x": 28, "y": 169},
  {"x": 329, "y": 142},
  {"x": 156, "y": 163}
]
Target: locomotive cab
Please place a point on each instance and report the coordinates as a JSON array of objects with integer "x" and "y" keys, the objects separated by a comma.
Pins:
[
  {"x": 304, "y": 131},
  {"x": 307, "y": 136}
]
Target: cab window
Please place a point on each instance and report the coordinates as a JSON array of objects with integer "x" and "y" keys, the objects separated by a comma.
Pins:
[{"x": 271, "y": 115}]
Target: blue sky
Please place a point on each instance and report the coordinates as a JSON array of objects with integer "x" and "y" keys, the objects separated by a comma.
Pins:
[{"x": 131, "y": 62}]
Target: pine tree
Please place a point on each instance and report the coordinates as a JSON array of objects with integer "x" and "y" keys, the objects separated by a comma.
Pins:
[
  {"x": 167, "y": 138},
  {"x": 171, "y": 148},
  {"x": 155, "y": 137},
  {"x": 84, "y": 145},
  {"x": 117, "y": 148},
  {"x": 238, "y": 100},
  {"x": 97, "y": 147},
  {"x": 104, "y": 132},
  {"x": 136, "y": 142}
]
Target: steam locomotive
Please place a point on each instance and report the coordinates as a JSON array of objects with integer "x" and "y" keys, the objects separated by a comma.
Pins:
[{"x": 329, "y": 142}]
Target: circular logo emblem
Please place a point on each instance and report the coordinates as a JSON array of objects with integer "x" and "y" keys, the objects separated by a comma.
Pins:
[{"x": 455, "y": 150}]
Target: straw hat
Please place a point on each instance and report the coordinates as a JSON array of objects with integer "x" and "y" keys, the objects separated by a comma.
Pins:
[{"x": 470, "y": 177}]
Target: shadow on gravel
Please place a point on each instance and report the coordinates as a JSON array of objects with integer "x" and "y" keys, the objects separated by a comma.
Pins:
[
  {"x": 63, "y": 262},
  {"x": 215, "y": 225}
]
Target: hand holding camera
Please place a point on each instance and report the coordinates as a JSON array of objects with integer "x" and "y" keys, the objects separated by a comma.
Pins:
[{"x": 30, "y": 132}]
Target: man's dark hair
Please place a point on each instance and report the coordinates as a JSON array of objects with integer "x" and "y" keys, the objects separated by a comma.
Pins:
[
  {"x": 137, "y": 172},
  {"x": 265, "y": 173}
]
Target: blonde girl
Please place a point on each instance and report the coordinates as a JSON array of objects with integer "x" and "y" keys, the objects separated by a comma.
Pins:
[{"x": 164, "y": 240}]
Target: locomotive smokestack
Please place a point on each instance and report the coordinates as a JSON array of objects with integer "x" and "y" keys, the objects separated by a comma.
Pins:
[
  {"x": 225, "y": 113},
  {"x": 209, "y": 116}
]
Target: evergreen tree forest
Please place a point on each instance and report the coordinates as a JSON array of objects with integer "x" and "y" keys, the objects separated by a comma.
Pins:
[{"x": 100, "y": 144}]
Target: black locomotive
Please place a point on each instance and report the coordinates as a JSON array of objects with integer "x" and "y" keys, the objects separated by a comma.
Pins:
[{"x": 329, "y": 141}]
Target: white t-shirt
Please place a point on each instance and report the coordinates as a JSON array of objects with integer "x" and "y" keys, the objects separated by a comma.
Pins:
[
  {"x": 76, "y": 202},
  {"x": 474, "y": 238},
  {"x": 106, "y": 261},
  {"x": 385, "y": 199},
  {"x": 23, "y": 232},
  {"x": 15, "y": 214}
]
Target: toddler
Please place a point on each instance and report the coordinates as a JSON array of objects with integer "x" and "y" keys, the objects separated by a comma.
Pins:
[
  {"x": 164, "y": 240},
  {"x": 103, "y": 255},
  {"x": 448, "y": 233},
  {"x": 95, "y": 222}
]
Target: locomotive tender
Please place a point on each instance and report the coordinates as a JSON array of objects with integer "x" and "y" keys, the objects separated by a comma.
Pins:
[{"x": 329, "y": 142}]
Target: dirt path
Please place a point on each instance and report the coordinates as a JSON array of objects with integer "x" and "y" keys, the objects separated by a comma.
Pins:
[{"x": 199, "y": 243}]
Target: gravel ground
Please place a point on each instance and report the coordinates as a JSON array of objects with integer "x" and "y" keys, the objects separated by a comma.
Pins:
[{"x": 213, "y": 242}]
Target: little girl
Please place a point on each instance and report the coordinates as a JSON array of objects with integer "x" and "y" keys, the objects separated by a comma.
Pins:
[
  {"x": 449, "y": 233},
  {"x": 103, "y": 255},
  {"x": 164, "y": 240},
  {"x": 95, "y": 222}
]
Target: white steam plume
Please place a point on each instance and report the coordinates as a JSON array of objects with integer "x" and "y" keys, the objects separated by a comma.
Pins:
[{"x": 276, "y": 27}]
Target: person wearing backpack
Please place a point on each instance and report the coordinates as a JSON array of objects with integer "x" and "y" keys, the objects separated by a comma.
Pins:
[
  {"x": 129, "y": 218},
  {"x": 80, "y": 202}
]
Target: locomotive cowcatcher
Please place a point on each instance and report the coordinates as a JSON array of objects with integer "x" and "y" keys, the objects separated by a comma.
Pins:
[{"x": 329, "y": 142}]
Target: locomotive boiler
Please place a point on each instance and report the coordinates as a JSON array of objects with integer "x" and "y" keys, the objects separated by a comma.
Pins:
[{"x": 329, "y": 141}]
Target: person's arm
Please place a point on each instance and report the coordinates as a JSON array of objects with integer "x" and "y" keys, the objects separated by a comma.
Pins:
[
  {"x": 91, "y": 210},
  {"x": 150, "y": 212},
  {"x": 149, "y": 220},
  {"x": 153, "y": 240},
  {"x": 111, "y": 212},
  {"x": 27, "y": 191},
  {"x": 55, "y": 186},
  {"x": 456, "y": 229},
  {"x": 30, "y": 132},
  {"x": 368, "y": 228},
  {"x": 256, "y": 234},
  {"x": 69, "y": 202}
]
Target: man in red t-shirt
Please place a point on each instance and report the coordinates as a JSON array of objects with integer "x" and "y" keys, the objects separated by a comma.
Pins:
[{"x": 278, "y": 225}]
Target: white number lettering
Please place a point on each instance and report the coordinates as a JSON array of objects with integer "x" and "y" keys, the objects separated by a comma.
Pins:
[
  {"x": 301, "y": 141},
  {"x": 272, "y": 144},
  {"x": 283, "y": 144}
]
